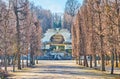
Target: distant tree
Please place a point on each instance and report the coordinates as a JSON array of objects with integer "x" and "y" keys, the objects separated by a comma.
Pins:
[
  {"x": 67, "y": 21},
  {"x": 45, "y": 16},
  {"x": 57, "y": 23},
  {"x": 71, "y": 9}
]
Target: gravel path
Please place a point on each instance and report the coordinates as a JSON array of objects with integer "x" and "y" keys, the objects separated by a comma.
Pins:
[{"x": 60, "y": 70}]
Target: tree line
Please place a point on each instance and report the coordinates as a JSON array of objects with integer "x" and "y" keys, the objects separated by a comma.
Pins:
[
  {"x": 20, "y": 34},
  {"x": 96, "y": 34}
]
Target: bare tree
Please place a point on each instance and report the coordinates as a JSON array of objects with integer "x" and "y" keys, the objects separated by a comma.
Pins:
[
  {"x": 71, "y": 9},
  {"x": 18, "y": 7},
  {"x": 98, "y": 24}
]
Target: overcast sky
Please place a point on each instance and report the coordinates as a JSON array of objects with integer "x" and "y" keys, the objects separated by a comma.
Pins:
[{"x": 53, "y": 5}]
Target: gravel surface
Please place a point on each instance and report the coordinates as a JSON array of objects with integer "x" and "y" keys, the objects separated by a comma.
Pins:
[{"x": 67, "y": 69}]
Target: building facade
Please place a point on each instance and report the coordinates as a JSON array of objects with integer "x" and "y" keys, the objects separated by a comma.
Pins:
[{"x": 57, "y": 41}]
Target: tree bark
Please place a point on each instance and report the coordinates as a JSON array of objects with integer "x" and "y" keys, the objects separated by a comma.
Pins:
[
  {"x": 90, "y": 61},
  {"x": 9, "y": 60},
  {"x": 76, "y": 60},
  {"x": 95, "y": 61},
  {"x": 27, "y": 61},
  {"x": 18, "y": 35},
  {"x": 103, "y": 62},
  {"x": 31, "y": 59},
  {"x": 36, "y": 60},
  {"x": 14, "y": 65},
  {"x": 5, "y": 62},
  {"x": 79, "y": 60},
  {"x": 14, "y": 62},
  {"x": 116, "y": 59},
  {"x": 85, "y": 61},
  {"x": 22, "y": 62},
  {"x": 31, "y": 56},
  {"x": 112, "y": 62}
]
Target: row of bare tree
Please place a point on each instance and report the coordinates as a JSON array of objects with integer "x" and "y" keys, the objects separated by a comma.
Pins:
[
  {"x": 20, "y": 34},
  {"x": 96, "y": 34}
]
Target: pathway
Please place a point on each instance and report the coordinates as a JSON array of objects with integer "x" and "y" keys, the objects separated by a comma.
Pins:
[{"x": 47, "y": 69}]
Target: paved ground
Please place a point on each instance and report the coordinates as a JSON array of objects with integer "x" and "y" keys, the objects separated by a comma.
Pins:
[{"x": 60, "y": 70}]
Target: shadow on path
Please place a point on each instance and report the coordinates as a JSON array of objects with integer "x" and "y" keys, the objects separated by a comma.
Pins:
[{"x": 61, "y": 70}]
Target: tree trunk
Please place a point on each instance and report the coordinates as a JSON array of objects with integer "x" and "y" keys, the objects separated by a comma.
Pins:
[
  {"x": 102, "y": 54},
  {"x": 95, "y": 61},
  {"x": 103, "y": 62},
  {"x": 5, "y": 49},
  {"x": 2, "y": 60},
  {"x": 9, "y": 60},
  {"x": 17, "y": 35},
  {"x": 101, "y": 38},
  {"x": 27, "y": 61},
  {"x": 5, "y": 62},
  {"x": 90, "y": 61},
  {"x": 112, "y": 63},
  {"x": 14, "y": 65},
  {"x": 76, "y": 60},
  {"x": 36, "y": 60},
  {"x": 99, "y": 61},
  {"x": 22, "y": 62},
  {"x": 116, "y": 59},
  {"x": 107, "y": 59},
  {"x": 79, "y": 60},
  {"x": 85, "y": 61},
  {"x": 14, "y": 62},
  {"x": 19, "y": 61},
  {"x": 31, "y": 58}
]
